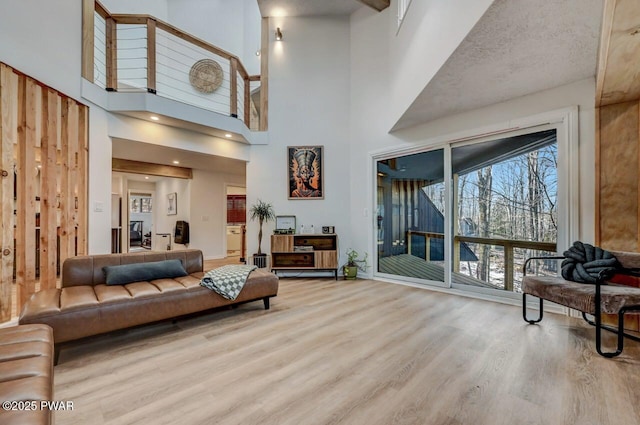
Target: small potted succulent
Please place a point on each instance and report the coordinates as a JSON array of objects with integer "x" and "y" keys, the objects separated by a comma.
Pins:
[{"x": 354, "y": 263}]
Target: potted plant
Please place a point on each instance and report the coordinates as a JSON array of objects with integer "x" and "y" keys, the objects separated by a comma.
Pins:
[
  {"x": 263, "y": 212},
  {"x": 354, "y": 263}
]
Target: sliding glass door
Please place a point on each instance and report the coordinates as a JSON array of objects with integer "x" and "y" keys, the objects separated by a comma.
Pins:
[
  {"x": 505, "y": 208},
  {"x": 411, "y": 216},
  {"x": 467, "y": 215}
]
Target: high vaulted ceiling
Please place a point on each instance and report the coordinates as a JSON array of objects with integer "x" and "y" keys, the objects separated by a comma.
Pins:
[{"x": 517, "y": 48}]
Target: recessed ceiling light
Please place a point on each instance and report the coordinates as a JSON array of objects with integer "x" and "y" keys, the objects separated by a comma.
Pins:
[
  {"x": 227, "y": 135},
  {"x": 146, "y": 177},
  {"x": 176, "y": 162},
  {"x": 153, "y": 117}
]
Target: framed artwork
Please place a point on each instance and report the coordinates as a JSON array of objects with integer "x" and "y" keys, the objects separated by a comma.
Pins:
[
  {"x": 172, "y": 203},
  {"x": 145, "y": 205},
  {"x": 135, "y": 205},
  {"x": 305, "y": 171}
]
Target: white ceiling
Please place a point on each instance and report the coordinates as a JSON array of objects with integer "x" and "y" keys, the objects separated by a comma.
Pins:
[
  {"x": 307, "y": 7},
  {"x": 147, "y": 152},
  {"x": 518, "y": 47}
]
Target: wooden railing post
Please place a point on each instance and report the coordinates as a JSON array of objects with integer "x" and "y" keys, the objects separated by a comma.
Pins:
[
  {"x": 151, "y": 55},
  {"x": 88, "y": 39},
  {"x": 456, "y": 254},
  {"x": 409, "y": 242},
  {"x": 234, "y": 87},
  {"x": 508, "y": 267},
  {"x": 427, "y": 248},
  {"x": 112, "y": 54},
  {"x": 247, "y": 102}
]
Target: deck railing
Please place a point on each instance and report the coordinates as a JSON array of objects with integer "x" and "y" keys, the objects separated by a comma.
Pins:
[
  {"x": 509, "y": 246},
  {"x": 133, "y": 53}
]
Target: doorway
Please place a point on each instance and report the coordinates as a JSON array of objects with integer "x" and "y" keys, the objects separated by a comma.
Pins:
[
  {"x": 236, "y": 221},
  {"x": 140, "y": 220}
]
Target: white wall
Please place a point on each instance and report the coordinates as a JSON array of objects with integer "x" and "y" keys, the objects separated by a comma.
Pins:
[
  {"x": 308, "y": 105},
  {"x": 99, "y": 182},
  {"x": 232, "y": 26},
  {"x": 156, "y": 8},
  {"x": 166, "y": 223},
  {"x": 209, "y": 211},
  {"x": 42, "y": 40},
  {"x": 431, "y": 31},
  {"x": 252, "y": 37}
]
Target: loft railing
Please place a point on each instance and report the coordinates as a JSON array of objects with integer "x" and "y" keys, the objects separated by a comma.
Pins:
[
  {"x": 134, "y": 53},
  {"x": 512, "y": 259}
]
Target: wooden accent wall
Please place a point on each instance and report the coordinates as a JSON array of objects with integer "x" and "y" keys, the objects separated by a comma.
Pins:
[
  {"x": 618, "y": 128},
  {"x": 618, "y": 131},
  {"x": 618, "y": 163},
  {"x": 44, "y": 163}
]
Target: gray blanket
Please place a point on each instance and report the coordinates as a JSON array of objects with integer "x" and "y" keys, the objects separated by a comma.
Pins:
[{"x": 228, "y": 280}]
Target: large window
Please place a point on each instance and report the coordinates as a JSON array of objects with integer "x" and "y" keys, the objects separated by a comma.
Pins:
[
  {"x": 467, "y": 214},
  {"x": 505, "y": 199}
]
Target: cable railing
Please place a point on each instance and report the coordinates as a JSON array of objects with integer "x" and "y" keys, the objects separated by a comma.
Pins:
[
  {"x": 139, "y": 53},
  {"x": 505, "y": 257},
  {"x": 100, "y": 50}
]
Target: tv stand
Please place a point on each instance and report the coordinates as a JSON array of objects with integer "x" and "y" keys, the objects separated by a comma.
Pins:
[{"x": 286, "y": 253}]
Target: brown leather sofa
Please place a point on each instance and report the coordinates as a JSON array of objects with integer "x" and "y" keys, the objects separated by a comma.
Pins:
[
  {"x": 85, "y": 305},
  {"x": 26, "y": 374}
]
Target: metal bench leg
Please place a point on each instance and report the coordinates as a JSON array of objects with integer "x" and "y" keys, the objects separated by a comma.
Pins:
[
  {"x": 620, "y": 332},
  {"x": 524, "y": 310}
]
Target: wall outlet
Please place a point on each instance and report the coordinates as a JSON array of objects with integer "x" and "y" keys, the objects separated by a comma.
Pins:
[{"x": 98, "y": 206}]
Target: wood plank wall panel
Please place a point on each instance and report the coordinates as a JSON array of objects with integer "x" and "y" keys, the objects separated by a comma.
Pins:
[
  {"x": 618, "y": 191},
  {"x": 72, "y": 190},
  {"x": 44, "y": 135},
  {"x": 48, "y": 210},
  {"x": 26, "y": 201},
  {"x": 8, "y": 137},
  {"x": 618, "y": 165},
  {"x": 620, "y": 79},
  {"x": 82, "y": 213}
]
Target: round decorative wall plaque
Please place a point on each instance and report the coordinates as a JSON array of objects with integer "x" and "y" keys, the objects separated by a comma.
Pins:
[{"x": 206, "y": 75}]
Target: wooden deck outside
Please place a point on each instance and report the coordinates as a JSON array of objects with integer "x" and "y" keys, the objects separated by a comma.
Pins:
[{"x": 412, "y": 266}]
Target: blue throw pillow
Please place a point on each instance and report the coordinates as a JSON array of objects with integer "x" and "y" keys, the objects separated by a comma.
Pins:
[{"x": 137, "y": 272}]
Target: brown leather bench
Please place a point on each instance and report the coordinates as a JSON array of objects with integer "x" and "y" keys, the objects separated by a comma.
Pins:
[
  {"x": 603, "y": 297},
  {"x": 26, "y": 374},
  {"x": 86, "y": 306}
]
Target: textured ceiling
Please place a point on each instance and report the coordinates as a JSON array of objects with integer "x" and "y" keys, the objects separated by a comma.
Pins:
[
  {"x": 517, "y": 48},
  {"x": 307, "y": 7}
]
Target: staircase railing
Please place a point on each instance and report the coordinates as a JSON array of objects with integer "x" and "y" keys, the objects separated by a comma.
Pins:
[{"x": 134, "y": 53}]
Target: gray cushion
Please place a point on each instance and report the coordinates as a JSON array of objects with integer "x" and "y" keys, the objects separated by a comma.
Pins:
[{"x": 137, "y": 272}]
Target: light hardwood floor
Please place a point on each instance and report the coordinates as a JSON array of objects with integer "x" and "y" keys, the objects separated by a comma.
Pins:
[{"x": 361, "y": 352}]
